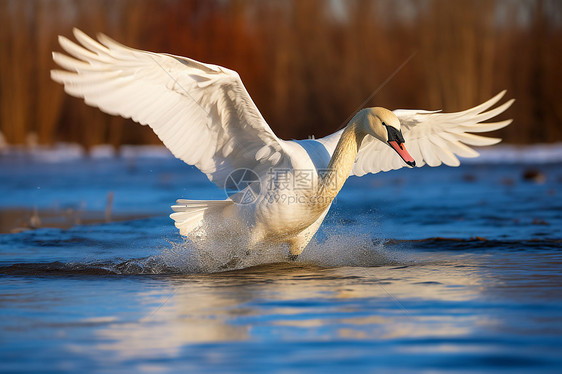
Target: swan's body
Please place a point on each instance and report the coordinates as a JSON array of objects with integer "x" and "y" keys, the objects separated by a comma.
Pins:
[{"x": 205, "y": 116}]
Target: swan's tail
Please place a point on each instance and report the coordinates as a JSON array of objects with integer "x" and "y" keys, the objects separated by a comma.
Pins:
[{"x": 189, "y": 214}]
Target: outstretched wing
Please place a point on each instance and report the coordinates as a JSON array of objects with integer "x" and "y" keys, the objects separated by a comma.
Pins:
[
  {"x": 201, "y": 112},
  {"x": 430, "y": 137}
]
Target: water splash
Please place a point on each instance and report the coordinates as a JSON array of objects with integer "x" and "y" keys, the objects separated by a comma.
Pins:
[
  {"x": 208, "y": 256},
  {"x": 336, "y": 248}
]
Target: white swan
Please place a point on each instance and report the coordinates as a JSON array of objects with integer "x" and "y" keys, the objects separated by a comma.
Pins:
[{"x": 205, "y": 116}]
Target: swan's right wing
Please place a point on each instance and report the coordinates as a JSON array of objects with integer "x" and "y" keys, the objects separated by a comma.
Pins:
[
  {"x": 434, "y": 138},
  {"x": 201, "y": 112},
  {"x": 431, "y": 137}
]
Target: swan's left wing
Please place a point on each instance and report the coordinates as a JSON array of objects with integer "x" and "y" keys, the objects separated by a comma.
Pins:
[
  {"x": 201, "y": 112},
  {"x": 431, "y": 138}
]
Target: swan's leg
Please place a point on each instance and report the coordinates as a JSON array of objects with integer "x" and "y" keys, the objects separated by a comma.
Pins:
[{"x": 300, "y": 241}]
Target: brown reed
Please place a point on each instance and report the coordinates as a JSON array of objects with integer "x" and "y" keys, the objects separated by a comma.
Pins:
[{"x": 307, "y": 64}]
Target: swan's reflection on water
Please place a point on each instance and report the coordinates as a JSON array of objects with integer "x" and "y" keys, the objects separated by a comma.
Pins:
[{"x": 302, "y": 302}]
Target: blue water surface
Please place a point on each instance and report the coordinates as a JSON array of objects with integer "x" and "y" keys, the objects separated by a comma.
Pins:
[{"x": 416, "y": 270}]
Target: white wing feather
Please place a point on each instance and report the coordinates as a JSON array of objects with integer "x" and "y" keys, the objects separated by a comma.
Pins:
[
  {"x": 201, "y": 112},
  {"x": 430, "y": 137}
]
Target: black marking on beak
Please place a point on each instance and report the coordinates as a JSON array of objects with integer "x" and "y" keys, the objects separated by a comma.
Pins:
[
  {"x": 396, "y": 141},
  {"x": 395, "y": 135}
]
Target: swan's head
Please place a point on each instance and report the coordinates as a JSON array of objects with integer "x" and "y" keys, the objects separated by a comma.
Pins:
[{"x": 385, "y": 126}]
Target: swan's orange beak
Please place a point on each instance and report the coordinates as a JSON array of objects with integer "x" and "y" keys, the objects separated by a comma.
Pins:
[{"x": 401, "y": 150}]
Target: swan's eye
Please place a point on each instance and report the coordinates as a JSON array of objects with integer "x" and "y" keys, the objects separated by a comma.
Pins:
[{"x": 384, "y": 124}]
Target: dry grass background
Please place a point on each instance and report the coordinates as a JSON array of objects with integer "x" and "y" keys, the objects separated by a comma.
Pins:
[{"x": 308, "y": 64}]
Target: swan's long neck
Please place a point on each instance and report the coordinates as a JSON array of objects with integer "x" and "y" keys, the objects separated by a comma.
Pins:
[{"x": 342, "y": 160}]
